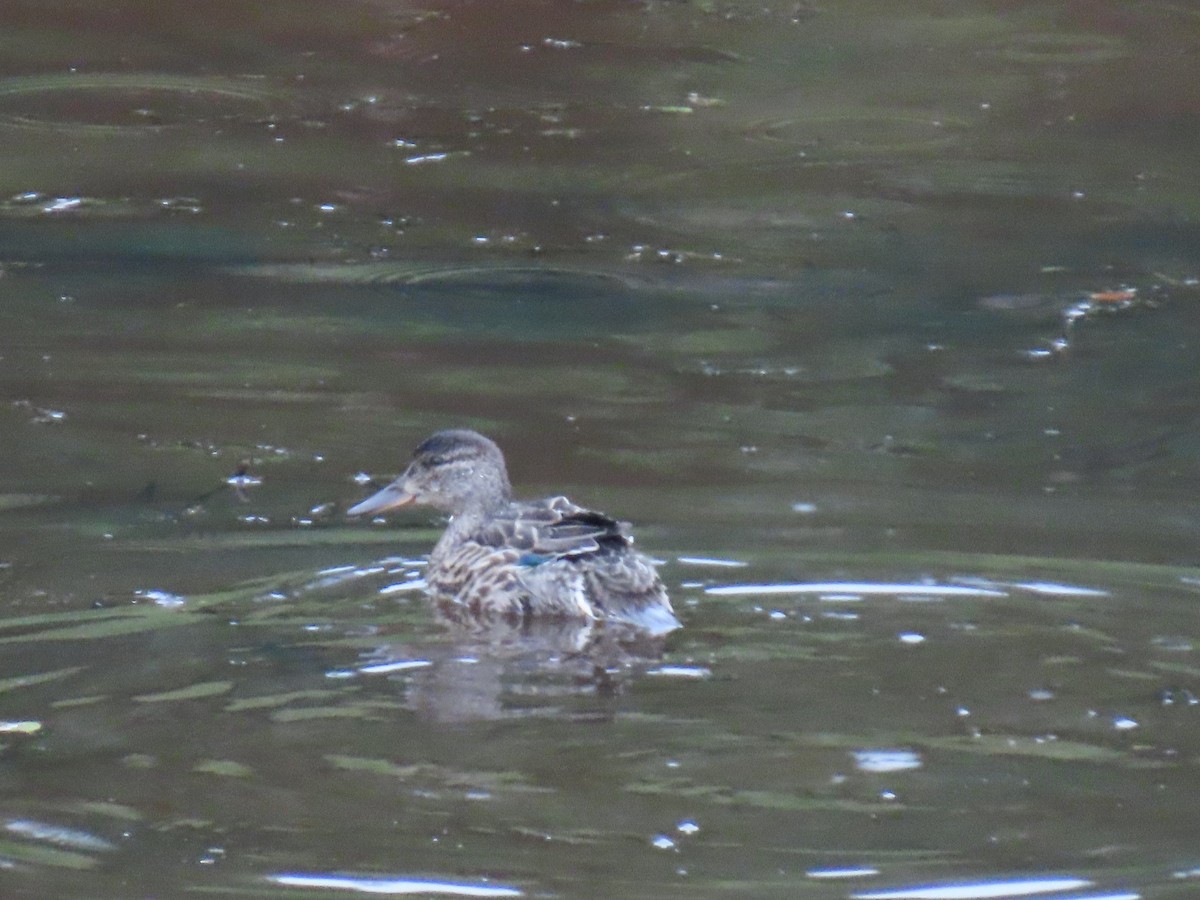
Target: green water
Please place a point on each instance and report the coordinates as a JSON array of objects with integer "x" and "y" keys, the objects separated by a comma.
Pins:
[{"x": 877, "y": 320}]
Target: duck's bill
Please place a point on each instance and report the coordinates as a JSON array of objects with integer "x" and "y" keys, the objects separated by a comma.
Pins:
[{"x": 391, "y": 497}]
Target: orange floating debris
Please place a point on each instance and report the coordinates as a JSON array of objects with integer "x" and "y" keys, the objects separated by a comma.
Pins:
[{"x": 1123, "y": 295}]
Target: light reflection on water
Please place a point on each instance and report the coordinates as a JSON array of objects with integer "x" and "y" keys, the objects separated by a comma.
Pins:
[
  {"x": 981, "y": 890},
  {"x": 850, "y": 590},
  {"x": 393, "y": 886}
]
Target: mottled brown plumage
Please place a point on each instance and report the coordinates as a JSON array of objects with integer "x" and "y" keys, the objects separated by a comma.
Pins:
[{"x": 521, "y": 558}]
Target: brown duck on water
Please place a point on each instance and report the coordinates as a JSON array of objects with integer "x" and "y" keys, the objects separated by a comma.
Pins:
[{"x": 521, "y": 558}]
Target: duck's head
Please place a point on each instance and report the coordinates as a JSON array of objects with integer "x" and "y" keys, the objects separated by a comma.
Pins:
[{"x": 454, "y": 471}]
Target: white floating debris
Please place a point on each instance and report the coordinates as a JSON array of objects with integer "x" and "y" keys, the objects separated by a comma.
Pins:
[
  {"x": 687, "y": 826},
  {"x": 850, "y": 587},
  {"x": 805, "y": 509},
  {"x": 662, "y": 842},
  {"x": 911, "y": 637},
  {"x": 1124, "y": 723},
  {"x": 27, "y": 726}
]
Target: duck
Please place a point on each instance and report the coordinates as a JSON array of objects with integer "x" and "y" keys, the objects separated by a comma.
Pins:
[{"x": 521, "y": 559}]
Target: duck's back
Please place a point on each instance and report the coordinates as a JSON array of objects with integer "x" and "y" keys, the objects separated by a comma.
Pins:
[{"x": 550, "y": 558}]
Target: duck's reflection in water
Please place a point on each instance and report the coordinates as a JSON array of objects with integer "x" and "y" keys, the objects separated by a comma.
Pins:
[{"x": 503, "y": 667}]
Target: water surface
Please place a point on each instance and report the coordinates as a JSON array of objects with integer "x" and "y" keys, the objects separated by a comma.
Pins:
[{"x": 879, "y": 323}]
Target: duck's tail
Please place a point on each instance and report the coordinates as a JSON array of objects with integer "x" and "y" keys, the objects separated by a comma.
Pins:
[{"x": 626, "y": 588}]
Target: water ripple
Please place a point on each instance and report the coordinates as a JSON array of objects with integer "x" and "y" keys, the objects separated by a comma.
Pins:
[
  {"x": 392, "y": 886},
  {"x": 979, "y": 890},
  {"x": 844, "y": 872},
  {"x": 886, "y": 760},
  {"x": 133, "y": 101},
  {"x": 57, "y": 835},
  {"x": 852, "y": 587}
]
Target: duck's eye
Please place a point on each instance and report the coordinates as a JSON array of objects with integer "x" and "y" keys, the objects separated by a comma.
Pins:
[{"x": 436, "y": 461}]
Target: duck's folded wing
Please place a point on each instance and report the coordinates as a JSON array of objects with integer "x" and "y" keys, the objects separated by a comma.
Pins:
[
  {"x": 574, "y": 537},
  {"x": 556, "y": 528}
]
